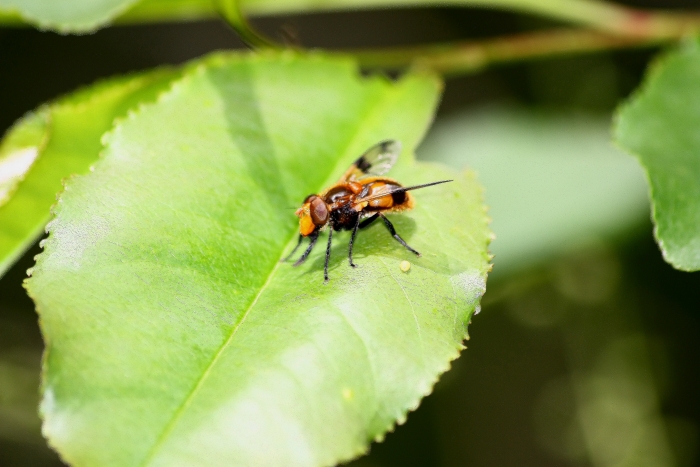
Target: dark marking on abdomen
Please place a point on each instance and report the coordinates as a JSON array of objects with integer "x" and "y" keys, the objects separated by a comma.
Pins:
[{"x": 398, "y": 198}]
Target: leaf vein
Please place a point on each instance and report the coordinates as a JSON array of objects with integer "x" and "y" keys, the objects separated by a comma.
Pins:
[{"x": 369, "y": 117}]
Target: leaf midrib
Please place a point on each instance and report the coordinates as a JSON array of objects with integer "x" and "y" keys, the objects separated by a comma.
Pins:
[{"x": 390, "y": 92}]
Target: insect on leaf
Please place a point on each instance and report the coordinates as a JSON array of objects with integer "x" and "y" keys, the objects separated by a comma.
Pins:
[{"x": 174, "y": 334}]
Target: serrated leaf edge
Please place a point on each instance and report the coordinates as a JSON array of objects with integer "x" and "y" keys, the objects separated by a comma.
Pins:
[
  {"x": 429, "y": 384},
  {"x": 55, "y": 209},
  {"x": 190, "y": 70}
]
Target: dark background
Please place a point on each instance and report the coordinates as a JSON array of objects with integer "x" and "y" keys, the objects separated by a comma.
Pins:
[{"x": 591, "y": 327}]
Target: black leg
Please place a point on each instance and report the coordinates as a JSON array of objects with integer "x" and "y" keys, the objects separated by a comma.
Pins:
[
  {"x": 286, "y": 258},
  {"x": 352, "y": 240},
  {"x": 367, "y": 222},
  {"x": 328, "y": 255},
  {"x": 314, "y": 238},
  {"x": 392, "y": 231}
]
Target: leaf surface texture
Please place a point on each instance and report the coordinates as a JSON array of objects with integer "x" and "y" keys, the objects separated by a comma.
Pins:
[{"x": 174, "y": 334}]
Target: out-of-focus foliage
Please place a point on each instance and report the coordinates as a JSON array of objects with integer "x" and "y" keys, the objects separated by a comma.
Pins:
[
  {"x": 553, "y": 181},
  {"x": 18, "y": 150},
  {"x": 60, "y": 140},
  {"x": 660, "y": 125},
  {"x": 65, "y": 15},
  {"x": 89, "y": 15}
]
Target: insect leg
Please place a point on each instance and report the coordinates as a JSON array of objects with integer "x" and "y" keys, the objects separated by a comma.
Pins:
[
  {"x": 352, "y": 240},
  {"x": 367, "y": 222},
  {"x": 328, "y": 255},
  {"x": 286, "y": 258},
  {"x": 314, "y": 238},
  {"x": 392, "y": 231}
]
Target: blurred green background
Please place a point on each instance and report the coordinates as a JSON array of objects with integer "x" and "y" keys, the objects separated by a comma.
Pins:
[{"x": 585, "y": 352}]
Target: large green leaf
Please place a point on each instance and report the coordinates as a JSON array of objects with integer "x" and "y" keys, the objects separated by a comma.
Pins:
[
  {"x": 660, "y": 126},
  {"x": 62, "y": 139},
  {"x": 174, "y": 334},
  {"x": 553, "y": 180}
]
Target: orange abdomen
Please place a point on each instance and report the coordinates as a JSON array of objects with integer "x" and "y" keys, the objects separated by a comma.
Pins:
[{"x": 395, "y": 202}]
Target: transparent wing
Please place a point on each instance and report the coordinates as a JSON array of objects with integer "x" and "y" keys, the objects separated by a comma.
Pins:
[{"x": 377, "y": 160}]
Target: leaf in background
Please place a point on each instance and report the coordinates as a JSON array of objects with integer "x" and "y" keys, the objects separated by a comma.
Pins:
[
  {"x": 73, "y": 129},
  {"x": 552, "y": 180},
  {"x": 66, "y": 15},
  {"x": 661, "y": 126},
  {"x": 169, "y": 10},
  {"x": 174, "y": 335},
  {"x": 88, "y": 15},
  {"x": 19, "y": 149}
]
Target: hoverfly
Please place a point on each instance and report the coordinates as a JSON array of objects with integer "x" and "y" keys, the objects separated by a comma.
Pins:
[{"x": 360, "y": 197}]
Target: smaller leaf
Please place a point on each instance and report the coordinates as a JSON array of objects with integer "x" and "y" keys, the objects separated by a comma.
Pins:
[
  {"x": 661, "y": 126},
  {"x": 61, "y": 139},
  {"x": 19, "y": 149}
]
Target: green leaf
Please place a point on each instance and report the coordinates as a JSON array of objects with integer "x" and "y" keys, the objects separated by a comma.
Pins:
[
  {"x": 65, "y": 15},
  {"x": 174, "y": 334},
  {"x": 553, "y": 180},
  {"x": 659, "y": 125},
  {"x": 19, "y": 149},
  {"x": 67, "y": 137}
]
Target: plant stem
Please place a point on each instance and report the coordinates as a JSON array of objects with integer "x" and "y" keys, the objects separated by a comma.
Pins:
[
  {"x": 471, "y": 56},
  {"x": 231, "y": 11},
  {"x": 597, "y": 14},
  {"x": 615, "y": 27}
]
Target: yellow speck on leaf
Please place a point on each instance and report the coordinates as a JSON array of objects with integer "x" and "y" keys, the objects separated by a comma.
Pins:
[{"x": 405, "y": 266}]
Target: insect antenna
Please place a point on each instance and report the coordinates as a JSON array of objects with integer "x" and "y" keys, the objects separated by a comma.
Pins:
[{"x": 399, "y": 190}]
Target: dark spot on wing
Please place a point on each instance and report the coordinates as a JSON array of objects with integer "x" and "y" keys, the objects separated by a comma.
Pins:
[{"x": 363, "y": 164}]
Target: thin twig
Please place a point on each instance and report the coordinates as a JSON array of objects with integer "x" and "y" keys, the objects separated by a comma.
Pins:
[
  {"x": 471, "y": 56},
  {"x": 596, "y": 14}
]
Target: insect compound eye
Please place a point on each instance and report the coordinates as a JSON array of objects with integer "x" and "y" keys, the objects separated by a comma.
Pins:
[
  {"x": 309, "y": 198},
  {"x": 318, "y": 211}
]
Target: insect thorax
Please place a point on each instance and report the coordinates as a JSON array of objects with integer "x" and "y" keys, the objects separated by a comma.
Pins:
[{"x": 344, "y": 217}]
